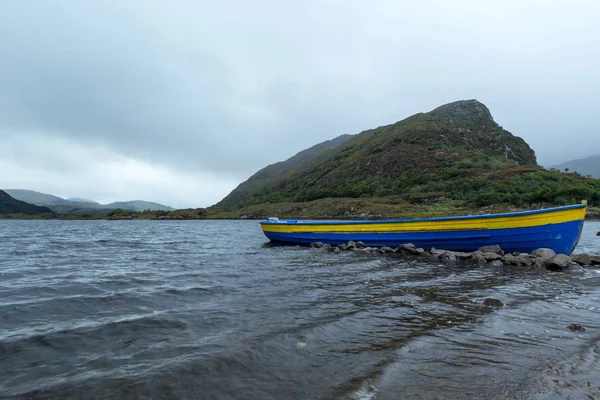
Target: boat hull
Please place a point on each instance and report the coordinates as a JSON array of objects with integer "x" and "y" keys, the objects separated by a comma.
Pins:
[{"x": 558, "y": 229}]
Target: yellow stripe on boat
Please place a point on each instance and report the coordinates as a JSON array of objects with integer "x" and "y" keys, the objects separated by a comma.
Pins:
[{"x": 474, "y": 223}]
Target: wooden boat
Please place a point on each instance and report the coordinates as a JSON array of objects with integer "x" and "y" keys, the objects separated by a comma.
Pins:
[{"x": 556, "y": 228}]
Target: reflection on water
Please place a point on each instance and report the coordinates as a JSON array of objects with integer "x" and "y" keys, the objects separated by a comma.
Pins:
[{"x": 198, "y": 309}]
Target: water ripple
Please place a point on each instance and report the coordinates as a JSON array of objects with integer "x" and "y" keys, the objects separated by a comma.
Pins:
[{"x": 189, "y": 309}]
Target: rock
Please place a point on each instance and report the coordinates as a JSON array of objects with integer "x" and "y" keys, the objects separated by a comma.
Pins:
[
  {"x": 582, "y": 259},
  {"x": 491, "y": 256},
  {"x": 351, "y": 245},
  {"x": 420, "y": 251},
  {"x": 316, "y": 245},
  {"x": 493, "y": 303},
  {"x": 342, "y": 247},
  {"x": 437, "y": 253},
  {"x": 575, "y": 268},
  {"x": 408, "y": 249},
  {"x": 327, "y": 246},
  {"x": 598, "y": 234},
  {"x": 462, "y": 256},
  {"x": 336, "y": 249},
  {"x": 448, "y": 256},
  {"x": 558, "y": 262},
  {"x": 478, "y": 257},
  {"x": 491, "y": 249},
  {"x": 543, "y": 253},
  {"x": 576, "y": 327},
  {"x": 360, "y": 245},
  {"x": 387, "y": 249},
  {"x": 496, "y": 264},
  {"x": 525, "y": 261},
  {"x": 595, "y": 260}
]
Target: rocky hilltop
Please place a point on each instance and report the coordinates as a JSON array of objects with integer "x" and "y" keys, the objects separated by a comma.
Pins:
[
  {"x": 9, "y": 205},
  {"x": 454, "y": 154}
]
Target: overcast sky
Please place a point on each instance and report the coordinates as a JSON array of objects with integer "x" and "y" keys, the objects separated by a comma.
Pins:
[{"x": 179, "y": 101}]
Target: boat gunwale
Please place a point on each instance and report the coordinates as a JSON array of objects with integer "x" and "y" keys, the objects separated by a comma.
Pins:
[{"x": 432, "y": 219}]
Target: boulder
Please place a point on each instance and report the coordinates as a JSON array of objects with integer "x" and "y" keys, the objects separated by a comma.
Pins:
[
  {"x": 582, "y": 259},
  {"x": 558, "y": 262},
  {"x": 478, "y": 257},
  {"x": 491, "y": 249},
  {"x": 360, "y": 245},
  {"x": 351, "y": 245},
  {"x": 462, "y": 256},
  {"x": 496, "y": 264},
  {"x": 436, "y": 253},
  {"x": 576, "y": 327},
  {"x": 408, "y": 249},
  {"x": 598, "y": 234},
  {"x": 342, "y": 247},
  {"x": 491, "y": 256},
  {"x": 575, "y": 268},
  {"x": 595, "y": 260},
  {"x": 521, "y": 260},
  {"x": 387, "y": 249},
  {"x": 316, "y": 245},
  {"x": 543, "y": 253},
  {"x": 448, "y": 256},
  {"x": 493, "y": 303}
]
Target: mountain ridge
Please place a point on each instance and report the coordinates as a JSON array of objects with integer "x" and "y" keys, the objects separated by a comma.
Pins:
[
  {"x": 61, "y": 205},
  {"x": 10, "y": 205},
  {"x": 417, "y": 157},
  {"x": 585, "y": 166}
]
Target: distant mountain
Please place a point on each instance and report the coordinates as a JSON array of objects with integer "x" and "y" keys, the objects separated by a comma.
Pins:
[
  {"x": 138, "y": 205},
  {"x": 33, "y": 197},
  {"x": 80, "y": 200},
  {"x": 585, "y": 166},
  {"x": 80, "y": 206},
  {"x": 10, "y": 205}
]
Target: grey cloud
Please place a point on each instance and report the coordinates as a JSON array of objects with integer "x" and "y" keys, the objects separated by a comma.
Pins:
[{"x": 229, "y": 87}]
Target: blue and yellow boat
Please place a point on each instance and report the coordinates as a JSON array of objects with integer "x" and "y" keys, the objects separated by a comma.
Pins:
[{"x": 556, "y": 228}]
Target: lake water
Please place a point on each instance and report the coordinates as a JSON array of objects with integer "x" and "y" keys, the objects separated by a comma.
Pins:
[{"x": 199, "y": 310}]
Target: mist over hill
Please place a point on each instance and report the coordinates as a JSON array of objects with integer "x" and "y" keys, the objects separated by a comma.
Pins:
[
  {"x": 585, "y": 166},
  {"x": 76, "y": 205}
]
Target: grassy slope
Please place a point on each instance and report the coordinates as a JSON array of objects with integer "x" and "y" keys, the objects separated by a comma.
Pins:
[
  {"x": 455, "y": 154},
  {"x": 271, "y": 173},
  {"x": 9, "y": 205},
  {"x": 415, "y": 157}
]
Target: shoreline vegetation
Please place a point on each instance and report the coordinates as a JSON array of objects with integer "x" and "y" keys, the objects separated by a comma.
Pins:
[{"x": 321, "y": 209}]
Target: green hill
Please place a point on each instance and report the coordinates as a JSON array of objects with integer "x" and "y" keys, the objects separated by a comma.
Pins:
[
  {"x": 584, "y": 166},
  {"x": 81, "y": 206},
  {"x": 456, "y": 153},
  {"x": 268, "y": 175},
  {"x": 10, "y": 205}
]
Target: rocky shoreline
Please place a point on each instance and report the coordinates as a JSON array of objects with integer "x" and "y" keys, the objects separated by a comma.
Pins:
[{"x": 494, "y": 255}]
